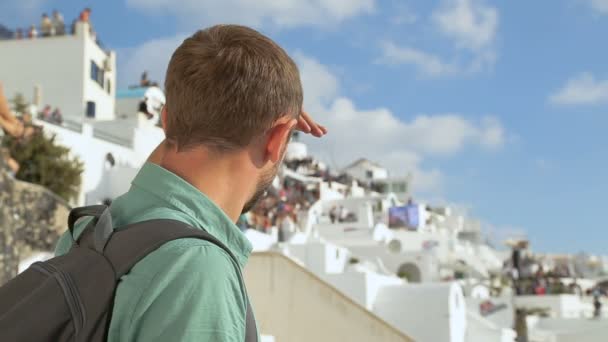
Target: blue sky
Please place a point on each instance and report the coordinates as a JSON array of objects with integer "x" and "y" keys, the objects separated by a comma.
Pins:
[{"x": 500, "y": 107}]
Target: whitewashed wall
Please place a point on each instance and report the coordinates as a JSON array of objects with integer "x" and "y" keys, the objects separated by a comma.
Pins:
[
  {"x": 429, "y": 312},
  {"x": 560, "y": 306},
  {"x": 319, "y": 258},
  {"x": 292, "y": 304},
  {"x": 99, "y": 180},
  {"x": 60, "y": 66},
  {"x": 104, "y": 100}
]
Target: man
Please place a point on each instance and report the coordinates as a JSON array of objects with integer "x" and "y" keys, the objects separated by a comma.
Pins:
[
  {"x": 46, "y": 26},
  {"x": 233, "y": 99},
  {"x": 58, "y": 23}
]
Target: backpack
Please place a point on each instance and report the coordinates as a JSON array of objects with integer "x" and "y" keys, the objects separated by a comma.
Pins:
[{"x": 70, "y": 297}]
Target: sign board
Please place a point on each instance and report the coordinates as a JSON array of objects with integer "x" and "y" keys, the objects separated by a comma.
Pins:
[{"x": 404, "y": 217}]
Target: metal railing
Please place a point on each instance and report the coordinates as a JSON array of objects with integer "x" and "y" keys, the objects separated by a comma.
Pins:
[
  {"x": 65, "y": 123},
  {"x": 103, "y": 135},
  {"x": 66, "y": 30}
]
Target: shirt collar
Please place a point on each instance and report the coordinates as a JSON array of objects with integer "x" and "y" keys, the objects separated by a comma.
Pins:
[{"x": 175, "y": 192}]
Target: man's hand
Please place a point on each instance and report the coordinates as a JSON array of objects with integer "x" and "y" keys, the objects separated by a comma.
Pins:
[
  {"x": 306, "y": 124},
  {"x": 5, "y": 111}
]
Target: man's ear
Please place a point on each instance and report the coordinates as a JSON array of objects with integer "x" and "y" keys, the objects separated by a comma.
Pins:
[{"x": 278, "y": 138}]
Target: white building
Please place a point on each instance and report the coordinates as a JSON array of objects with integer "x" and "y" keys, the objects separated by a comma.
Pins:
[
  {"x": 366, "y": 171},
  {"x": 112, "y": 154},
  {"x": 71, "y": 72},
  {"x": 296, "y": 150},
  {"x": 400, "y": 186},
  {"x": 74, "y": 73}
]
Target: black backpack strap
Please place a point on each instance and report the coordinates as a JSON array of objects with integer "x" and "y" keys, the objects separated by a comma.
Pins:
[
  {"x": 102, "y": 221},
  {"x": 130, "y": 244}
]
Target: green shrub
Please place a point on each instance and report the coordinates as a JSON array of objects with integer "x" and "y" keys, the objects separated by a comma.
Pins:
[{"x": 42, "y": 161}]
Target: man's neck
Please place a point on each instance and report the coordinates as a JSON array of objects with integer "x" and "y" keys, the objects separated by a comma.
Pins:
[{"x": 223, "y": 179}]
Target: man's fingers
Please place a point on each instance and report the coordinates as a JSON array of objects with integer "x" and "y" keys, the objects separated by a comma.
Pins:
[
  {"x": 303, "y": 125},
  {"x": 307, "y": 125},
  {"x": 315, "y": 129}
]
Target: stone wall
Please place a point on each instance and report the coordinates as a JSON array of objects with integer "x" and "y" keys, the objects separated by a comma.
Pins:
[{"x": 31, "y": 219}]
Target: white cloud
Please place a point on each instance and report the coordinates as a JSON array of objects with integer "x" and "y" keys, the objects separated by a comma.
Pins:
[
  {"x": 471, "y": 26},
  {"x": 381, "y": 136},
  {"x": 599, "y": 5},
  {"x": 377, "y": 134},
  {"x": 426, "y": 63},
  {"x": 319, "y": 83},
  {"x": 284, "y": 13},
  {"x": 401, "y": 14},
  {"x": 448, "y": 133},
  {"x": 470, "y": 23},
  {"x": 584, "y": 89},
  {"x": 153, "y": 56}
]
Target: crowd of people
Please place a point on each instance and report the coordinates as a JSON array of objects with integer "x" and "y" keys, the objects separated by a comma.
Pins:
[
  {"x": 52, "y": 116},
  {"x": 281, "y": 208},
  {"x": 307, "y": 166},
  {"x": 341, "y": 215},
  {"x": 50, "y": 26}
]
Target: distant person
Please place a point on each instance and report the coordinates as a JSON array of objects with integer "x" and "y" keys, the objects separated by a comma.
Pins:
[
  {"x": 58, "y": 23},
  {"x": 46, "y": 26},
  {"x": 19, "y": 34},
  {"x": 333, "y": 214},
  {"x": 597, "y": 304},
  {"x": 287, "y": 224},
  {"x": 227, "y": 123},
  {"x": 342, "y": 214},
  {"x": 144, "y": 81},
  {"x": 142, "y": 110},
  {"x": 33, "y": 33},
  {"x": 46, "y": 113},
  {"x": 85, "y": 15},
  {"x": 56, "y": 116}
]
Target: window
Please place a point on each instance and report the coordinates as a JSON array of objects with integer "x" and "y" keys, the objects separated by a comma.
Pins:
[
  {"x": 369, "y": 174},
  {"x": 97, "y": 74},
  {"x": 109, "y": 87},
  {"x": 94, "y": 71}
]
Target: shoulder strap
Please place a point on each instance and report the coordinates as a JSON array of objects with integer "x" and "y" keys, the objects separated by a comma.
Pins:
[
  {"x": 131, "y": 243},
  {"x": 128, "y": 245}
]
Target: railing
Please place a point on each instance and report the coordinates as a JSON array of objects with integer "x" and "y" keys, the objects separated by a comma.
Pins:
[
  {"x": 25, "y": 33},
  {"x": 103, "y": 135},
  {"x": 66, "y": 30},
  {"x": 65, "y": 123},
  {"x": 97, "y": 133},
  {"x": 72, "y": 125}
]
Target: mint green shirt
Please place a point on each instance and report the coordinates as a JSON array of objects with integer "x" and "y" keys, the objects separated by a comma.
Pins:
[{"x": 188, "y": 289}]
